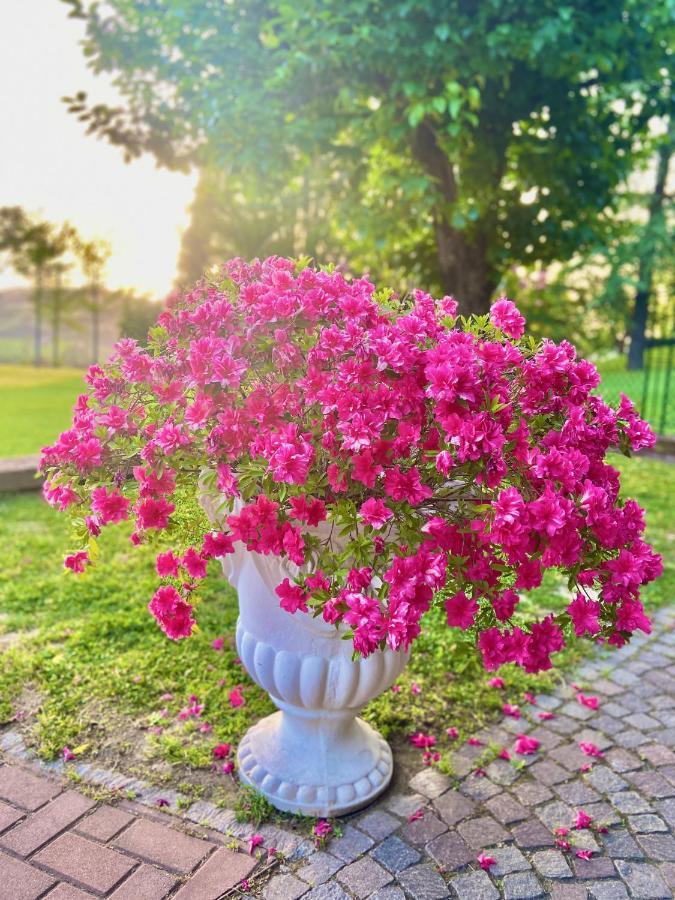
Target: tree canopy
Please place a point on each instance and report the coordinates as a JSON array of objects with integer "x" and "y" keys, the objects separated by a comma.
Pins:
[{"x": 460, "y": 137}]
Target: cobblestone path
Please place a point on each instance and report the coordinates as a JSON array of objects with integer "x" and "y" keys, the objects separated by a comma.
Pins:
[{"x": 421, "y": 845}]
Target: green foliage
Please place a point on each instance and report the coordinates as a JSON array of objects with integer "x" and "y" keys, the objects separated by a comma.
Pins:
[
  {"x": 446, "y": 139},
  {"x": 252, "y": 807}
]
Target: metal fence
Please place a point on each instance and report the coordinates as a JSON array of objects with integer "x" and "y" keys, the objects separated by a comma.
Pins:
[{"x": 651, "y": 388}]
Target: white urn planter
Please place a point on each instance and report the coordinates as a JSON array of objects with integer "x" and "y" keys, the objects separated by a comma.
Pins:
[{"x": 315, "y": 756}]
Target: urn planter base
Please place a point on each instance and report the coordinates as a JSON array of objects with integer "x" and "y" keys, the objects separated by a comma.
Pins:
[
  {"x": 314, "y": 756},
  {"x": 315, "y": 766}
]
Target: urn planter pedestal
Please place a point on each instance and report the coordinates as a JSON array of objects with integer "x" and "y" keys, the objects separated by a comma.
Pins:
[{"x": 314, "y": 756}]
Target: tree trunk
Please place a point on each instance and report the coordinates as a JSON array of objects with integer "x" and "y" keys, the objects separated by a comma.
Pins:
[
  {"x": 465, "y": 270},
  {"x": 95, "y": 326},
  {"x": 37, "y": 333},
  {"x": 638, "y": 328},
  {"x": 465, "y": 273},
  {"x": 56, "y": 322}
]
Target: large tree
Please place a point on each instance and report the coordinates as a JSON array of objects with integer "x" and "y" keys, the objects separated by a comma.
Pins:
[{"x": 492, "y": 132}]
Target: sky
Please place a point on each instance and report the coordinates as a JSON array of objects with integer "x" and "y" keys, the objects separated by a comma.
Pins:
[{"x": 51, "y": 167}]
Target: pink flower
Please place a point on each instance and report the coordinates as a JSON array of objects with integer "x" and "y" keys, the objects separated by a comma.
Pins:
[
  {"x": 485, "y": 861},
  {"x": 461, "y": 611},
  {"x": 375, "y": 512},
  {"x": 505, "y": 604},
  {"x": 584, "y": 854},
  {"x": 505, "y": 316},
  {"x": 68, "y": 754},
  {"x": 77, "y": 562},
  {"x": 228, "y": 767},
  {"x": 590, "y": 702},
  {"x": 526, "y": 746},
  {"x": 255, "y": 840},
  {"x": 474, "y": 742},
  {"x": 154, "y": 513},
  {"x": 504, "y": 754},
  {"x": 217, "y": 544},
  {"x": 167, "y": 564},
  {"x": 194, "y": 563},
  {"x": 530, "y": 698},
  {"x": 510, "y": 710},
  {"x": 173, "y": 614},
  {"x": 590, "y": 749},
  {"x": 220, "y": 751},
  {"x": 415, "y": 688},
  {"x": 452, "y": 733},
  {"x": 293, "y": 598},
  {"x": 218, "y": 643},
  {"x": 109, "y": 507},
  {"x": 496, "y": 683},
  {"x": 161, "y": 802},
  {"x": 416, "y": 816},
  {"x": 322, "y": 831},
  {"x": 545, "y": 715},
  {"x": 236, "y": 698},
  {"x": 585, "y": 614},
  {"x": 583, "y": 820}
]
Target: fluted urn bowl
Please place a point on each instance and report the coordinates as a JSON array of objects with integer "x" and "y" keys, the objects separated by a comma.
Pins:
[{"x": 314, "y": 756}]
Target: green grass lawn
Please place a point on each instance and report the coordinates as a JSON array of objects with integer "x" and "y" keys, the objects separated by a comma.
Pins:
[
  {"x": 86, "y": 666},
  {"x": 35, "y": 406}
]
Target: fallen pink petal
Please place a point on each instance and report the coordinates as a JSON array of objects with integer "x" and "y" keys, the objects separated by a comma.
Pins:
[
  {"x": 583, "y": 820},
  {"x": 590, "y": 749},
  {"x": 590, "y": 702},
  {"x": 255, "y": 840},
  {"x": 526, "y": 746}
]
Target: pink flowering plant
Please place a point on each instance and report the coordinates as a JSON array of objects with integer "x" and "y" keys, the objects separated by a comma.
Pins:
[{"x": 399, "y": 456}]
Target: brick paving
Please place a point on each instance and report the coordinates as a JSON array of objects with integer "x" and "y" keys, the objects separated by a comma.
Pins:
[{"x": 58, "y": 844}]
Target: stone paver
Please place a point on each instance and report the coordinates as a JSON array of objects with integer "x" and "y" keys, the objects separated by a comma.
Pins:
[
  {"x": 522, "y": 886},
  {"x": 395, "y": 855},
  {"x": 320, "y": 867},
  {"x": 364, "y": 877},
  {"x": 482, "y": 832},
  {"x": 77, "y": 859},
  {"x": 167, "y": 847},
  {"x": 222, "y": 871},
  {"x": 474, "y": 886},
  {"x": 422, "y": 882},
  {"x": 450, "y": 851},
  {"x": 24, "y": 789},
  {"x": 27, "y": 883},
  {"x": 351, "y": 845},
  {"x": 285, "y": 887},
  {"x": 104, "y": 823},
  {"x": 551, "y": 864},
  {"x": 46, "y": 823}
]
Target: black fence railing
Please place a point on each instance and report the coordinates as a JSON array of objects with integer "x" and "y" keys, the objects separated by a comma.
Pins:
[{"x": 651, "y": 388}]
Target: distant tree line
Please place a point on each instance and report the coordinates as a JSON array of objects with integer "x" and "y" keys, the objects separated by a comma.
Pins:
[{"x": 48, "y": 255}]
